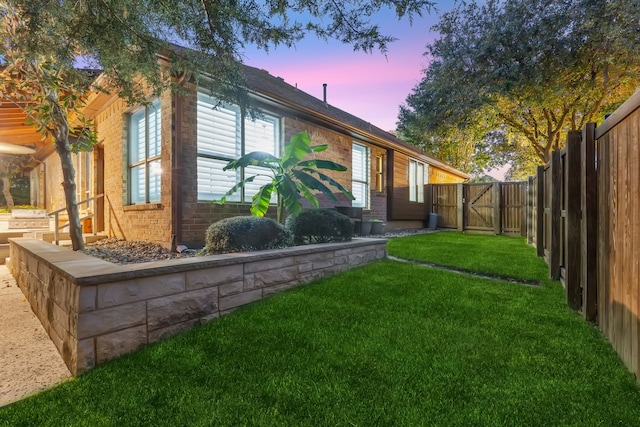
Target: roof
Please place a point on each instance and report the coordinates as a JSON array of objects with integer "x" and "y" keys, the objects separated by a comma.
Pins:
[
  {"x": 15, "y": 130},
  {"x": 278, "y": 90}
]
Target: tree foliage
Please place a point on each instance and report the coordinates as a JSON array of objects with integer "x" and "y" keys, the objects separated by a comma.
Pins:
[
  {"x": 11, "y": 166},
  {"x": 43, "y": 41},
  {"x": 291, "y": 177},
  {"x": 124, "y": 37},
  {"x": 50, "y": 91},
  {"x": 533, "y": 68}
]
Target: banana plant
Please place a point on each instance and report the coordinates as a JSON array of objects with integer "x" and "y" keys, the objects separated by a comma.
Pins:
[{"x": 291, "y": 177}]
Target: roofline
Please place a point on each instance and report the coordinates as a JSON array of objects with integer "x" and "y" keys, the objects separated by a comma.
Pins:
[
  {"x": 354, "y": 131},
  {"x": 362, "y": 133}
]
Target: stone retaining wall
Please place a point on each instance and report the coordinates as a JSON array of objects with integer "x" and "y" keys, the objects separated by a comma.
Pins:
[{"x": 95, "y": 311}]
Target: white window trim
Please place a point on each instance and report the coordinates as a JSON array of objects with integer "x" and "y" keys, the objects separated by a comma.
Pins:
[
  {"x": 240, "y": 196},
  {"x": 416, "y": 188},
  {"x": 367, "y": 181},
  {"x": 146, "y": 161}
]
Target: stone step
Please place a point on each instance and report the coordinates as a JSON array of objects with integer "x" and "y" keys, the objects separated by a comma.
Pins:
[{"x": 28, "y": 223}]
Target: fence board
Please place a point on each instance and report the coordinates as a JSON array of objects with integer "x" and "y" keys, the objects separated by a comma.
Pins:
[
  {"x": 540, "y": 211},
  {"x": 589, "y": 223},
  {"x": 610, "y": 228},
  {"x": 479, "y": 207},
  {"x": 444, "y": 204},
  {"x": 530, "y": 210},
  {"x": 486, "y": 207},
  {"x": 513, "y": 212},
  {"x": 572, "y": 252}
]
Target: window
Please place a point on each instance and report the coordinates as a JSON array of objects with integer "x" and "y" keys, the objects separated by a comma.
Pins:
[
  {"x": 416, "y": 181},
  {"x": 379, "y": 174},
  {"x": 145, "y": 172},
  {"x": 82, "y": 165},
  {"x": 360, "y": 175},
  {"x": 224, "y": 134}
]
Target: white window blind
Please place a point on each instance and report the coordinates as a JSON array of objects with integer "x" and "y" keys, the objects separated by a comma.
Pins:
[
  {"x": 416, "y": 181},
  {"x": 221, "y": 139},
  {"x": 360, "y": 175},
  {"x": 145, "y": 145}
]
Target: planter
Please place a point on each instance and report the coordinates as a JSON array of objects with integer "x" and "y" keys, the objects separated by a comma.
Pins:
[
  {"x": 96, "y": 310},
  {"x": 365, "y": 228},
  {"x": 350, "y": 211},
  {"x": 377, "y": 227}
]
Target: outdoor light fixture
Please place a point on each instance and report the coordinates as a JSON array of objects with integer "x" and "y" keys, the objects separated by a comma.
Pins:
[{"x": 7, "y": 148}]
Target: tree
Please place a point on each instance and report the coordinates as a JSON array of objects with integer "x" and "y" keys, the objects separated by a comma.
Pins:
[
  {"x": 11, "y": 166},
  {"x": 51, "y": 95},
  {"x": 537, "y": 68},
  {"x": 291, "y": 177},
  {"x": 42, "y": 42}
]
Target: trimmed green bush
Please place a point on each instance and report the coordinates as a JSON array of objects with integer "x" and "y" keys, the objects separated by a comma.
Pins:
[
  {"x": 319, "y": 226},
  {"x": 245, "y": 233}
]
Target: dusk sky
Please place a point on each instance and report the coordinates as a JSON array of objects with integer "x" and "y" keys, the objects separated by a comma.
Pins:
[{"x": 370, "y": 86}]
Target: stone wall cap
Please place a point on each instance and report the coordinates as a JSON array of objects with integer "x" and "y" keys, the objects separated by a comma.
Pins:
[{"x": 85, "y": 270}]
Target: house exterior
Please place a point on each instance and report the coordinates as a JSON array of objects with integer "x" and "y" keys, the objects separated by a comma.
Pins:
[{"x": 160, "y": 166}]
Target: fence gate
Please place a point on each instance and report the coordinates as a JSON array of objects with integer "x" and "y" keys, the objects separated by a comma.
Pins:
[
  {"x": 479, "y": 207},
  {"x": 496, "y": 207}
]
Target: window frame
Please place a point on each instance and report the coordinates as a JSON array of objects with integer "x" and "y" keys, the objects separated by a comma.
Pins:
[
  {"x": 367, "y": 181},
  {"x": 416, "y": 195},
  {"x": 146, "y": 161},
  {"x": 241, "y": 119},
  {"x": 380, "y": 173}
]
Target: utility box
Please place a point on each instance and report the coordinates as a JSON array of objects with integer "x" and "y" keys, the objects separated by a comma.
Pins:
[{"x": 433, "y": 221}]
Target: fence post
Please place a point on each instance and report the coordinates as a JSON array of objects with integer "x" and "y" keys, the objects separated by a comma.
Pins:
[
  {"x": 589, "y": 225},
  {"x": 429, "y": 199},
  {"x": 523, "y": 208},
  {"x": 460, "y": 206},
  {"x": 572, "y": 176},
  {"x": 497, "y": 219},
  {"x": 555, "y": 217},
  {"x": 540, "y": 213},
  {"x": 529, "y": 210}
]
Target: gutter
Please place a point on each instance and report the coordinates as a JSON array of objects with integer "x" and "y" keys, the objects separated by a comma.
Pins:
[{"x": 311, "y": 114}]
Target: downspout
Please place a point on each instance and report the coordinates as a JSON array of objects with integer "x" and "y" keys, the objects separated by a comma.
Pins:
[{"x": 176, "y": 166}]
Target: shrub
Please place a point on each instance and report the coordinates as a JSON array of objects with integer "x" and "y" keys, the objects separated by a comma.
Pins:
[
  {"x": 319, "y": 226},
  {"x": 245, "y": 233}
]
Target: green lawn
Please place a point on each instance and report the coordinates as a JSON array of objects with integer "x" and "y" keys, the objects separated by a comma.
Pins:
[
  {"x": 503, "y": 256},
  {"x": 386, "y": 344}
]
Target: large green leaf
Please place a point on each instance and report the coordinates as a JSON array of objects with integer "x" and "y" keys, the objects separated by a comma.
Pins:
[
  {"x": 323, "y": 164},
  {"x": 295, "y": 151},
  {"x": 308, "y": 194},
  {"x": 319, "y": 148},
  {"x": 291, "y": 177},
  {"x": 313, "y": 183},
  {"x": 288, "y": 190},
  {"x": 256, "y": 158},
  {"x": 333, "y": 182},
  {"x": 260, "y": 201},
  {"x": 234, "y": 189}
]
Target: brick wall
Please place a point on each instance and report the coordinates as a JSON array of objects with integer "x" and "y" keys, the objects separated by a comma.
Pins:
[
  {"x": 191, "y": 218},
  {"x": 197, "y": 216},
  {"x": 149, "y": 222}
]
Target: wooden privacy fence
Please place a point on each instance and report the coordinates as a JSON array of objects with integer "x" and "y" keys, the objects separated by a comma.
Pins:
[
  {"x": 496, "y": 207},
  {"x": 584, "y": 218}
]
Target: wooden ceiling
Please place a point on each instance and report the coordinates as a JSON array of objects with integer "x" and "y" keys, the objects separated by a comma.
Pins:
[{"x": 14, "y": 130}]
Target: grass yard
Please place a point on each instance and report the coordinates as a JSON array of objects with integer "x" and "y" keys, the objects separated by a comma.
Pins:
[
  {"x": 386, "y": 344},
  {"x": 503, "y": 256}
]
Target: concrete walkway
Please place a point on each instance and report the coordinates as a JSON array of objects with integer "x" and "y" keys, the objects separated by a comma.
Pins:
[{"x": 29, "y": 362}]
